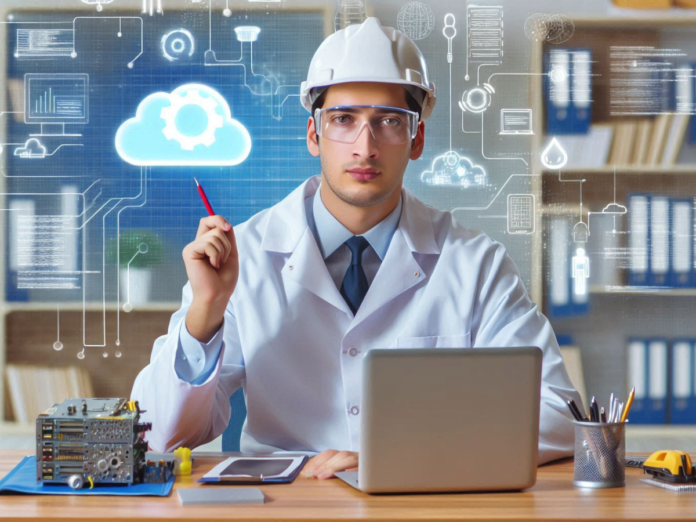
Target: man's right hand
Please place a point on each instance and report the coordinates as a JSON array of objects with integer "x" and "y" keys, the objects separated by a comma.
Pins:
[{"x": 212, "y": 266}]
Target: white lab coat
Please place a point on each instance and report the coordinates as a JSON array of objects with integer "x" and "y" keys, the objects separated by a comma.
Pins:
[{"x": 293, "y": 344}]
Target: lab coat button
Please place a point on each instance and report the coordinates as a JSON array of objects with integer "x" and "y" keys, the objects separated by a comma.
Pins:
[
  {"x": 353, "y": 351},
  {"x": 417, "y": 274},
  {"x": 290, "y": 267},
  {"x": 354, "y": 410}
]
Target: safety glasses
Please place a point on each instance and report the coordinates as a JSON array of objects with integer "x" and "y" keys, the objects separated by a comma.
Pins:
[{"x": 388, "y": 125}]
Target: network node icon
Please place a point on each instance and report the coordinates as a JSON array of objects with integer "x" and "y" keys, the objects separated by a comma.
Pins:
[
  {"x": 247, "y": 33},
  {"x": 177, "y": 44},
  {"x": 99, "y": 3},
  {"x": 558, "y": 74},
  {"x": 477, "y": 100},
  {"x": 520, "y": 213}
]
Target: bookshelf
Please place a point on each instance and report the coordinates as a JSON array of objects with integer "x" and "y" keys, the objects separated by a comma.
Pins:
[{"x": 615, "y": 310}]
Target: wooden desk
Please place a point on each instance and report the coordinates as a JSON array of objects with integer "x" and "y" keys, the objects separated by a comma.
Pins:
[{"x": 552, "y": 498}]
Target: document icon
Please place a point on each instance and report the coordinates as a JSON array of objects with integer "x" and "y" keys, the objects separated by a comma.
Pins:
[
  {"x": 520, "y": 214},
  {"x": 516, "y": 121}
]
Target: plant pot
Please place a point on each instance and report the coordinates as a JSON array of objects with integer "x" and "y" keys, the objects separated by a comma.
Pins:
[{"x": 140, "y": 285}]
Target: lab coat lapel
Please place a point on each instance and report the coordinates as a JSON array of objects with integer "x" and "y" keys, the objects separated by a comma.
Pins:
[
  {"x": 287, "y": 232},
  {"x": 400, "y": 270},
  {"x": 306, "y": 267}
]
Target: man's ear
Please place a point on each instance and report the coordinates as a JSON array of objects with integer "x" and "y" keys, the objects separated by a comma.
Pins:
[
  {"x": 312, "y": 138},
  {"x": 418, "y": 142}
]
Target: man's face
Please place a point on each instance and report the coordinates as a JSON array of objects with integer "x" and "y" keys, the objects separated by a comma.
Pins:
[{"x": 364, "y": 173}]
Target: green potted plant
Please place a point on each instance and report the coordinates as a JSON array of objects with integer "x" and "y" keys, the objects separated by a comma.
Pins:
[{"x": 140, "y": 251}]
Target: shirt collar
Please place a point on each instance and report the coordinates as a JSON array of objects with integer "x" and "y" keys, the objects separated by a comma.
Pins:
[{"x": 331, "y": 234}]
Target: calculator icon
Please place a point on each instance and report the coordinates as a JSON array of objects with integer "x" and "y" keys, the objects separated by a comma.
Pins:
[{"x": 520, "y": 214}]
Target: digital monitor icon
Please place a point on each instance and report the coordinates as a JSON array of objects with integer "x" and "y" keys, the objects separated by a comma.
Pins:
[
  {"x": 56, "y": 99},
  {"x": 516, "y": 121}
]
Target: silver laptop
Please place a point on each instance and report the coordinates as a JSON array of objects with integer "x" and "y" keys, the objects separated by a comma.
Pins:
[{"x": 437, "y": 420}]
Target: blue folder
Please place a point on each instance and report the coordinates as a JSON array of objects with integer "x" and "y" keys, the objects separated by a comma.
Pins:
[
  {"x": 22, "y": 479},
  {"x": 683, "y": 401}
]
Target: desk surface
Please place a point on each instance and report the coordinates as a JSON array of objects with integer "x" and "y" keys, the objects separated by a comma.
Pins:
[{"x": 552, "y": 498}]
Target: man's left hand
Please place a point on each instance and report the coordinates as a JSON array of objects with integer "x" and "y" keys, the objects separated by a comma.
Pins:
[{"x": 324, "y": 465}]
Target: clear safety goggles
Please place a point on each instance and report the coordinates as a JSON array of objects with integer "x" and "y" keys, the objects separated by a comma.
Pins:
[{"x": 388, "y": 125}]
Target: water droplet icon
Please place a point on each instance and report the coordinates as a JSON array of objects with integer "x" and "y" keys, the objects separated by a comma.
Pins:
[{"x": 554, "y": 157}]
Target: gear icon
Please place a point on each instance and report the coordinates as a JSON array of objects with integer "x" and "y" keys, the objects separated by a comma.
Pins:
[{"x": 192, "y": 97}]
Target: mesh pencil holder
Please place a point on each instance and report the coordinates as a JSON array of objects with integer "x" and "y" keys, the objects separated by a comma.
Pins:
[{"x": 600, "y": 454}]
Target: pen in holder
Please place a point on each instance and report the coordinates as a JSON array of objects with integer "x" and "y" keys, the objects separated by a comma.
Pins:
[{"x": 600, "y": 451}]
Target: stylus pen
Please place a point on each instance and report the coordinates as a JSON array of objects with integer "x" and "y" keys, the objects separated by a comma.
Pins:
[
  {"x": 573, "y": 410},
  {"x": 204, "y": 198}
]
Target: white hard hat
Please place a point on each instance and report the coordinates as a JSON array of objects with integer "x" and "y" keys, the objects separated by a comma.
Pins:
[{"x": 368, "y": 52}]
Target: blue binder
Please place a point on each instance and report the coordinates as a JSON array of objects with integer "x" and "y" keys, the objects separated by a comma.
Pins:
[
  {"x": 639, "y": 239},
  {"x": 660, "y": 241},
  {"x": 648, "y": 371},
  {"x": 681, "y": 250},
  {"x": 567, "y": 90},
  {"x": 683, "y": 400}
]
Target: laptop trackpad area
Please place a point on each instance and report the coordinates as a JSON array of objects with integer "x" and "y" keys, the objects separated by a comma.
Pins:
[{"x": 349, "y": 477}]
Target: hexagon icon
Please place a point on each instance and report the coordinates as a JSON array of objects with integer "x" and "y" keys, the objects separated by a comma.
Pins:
[{"x": 191, "y": 126}]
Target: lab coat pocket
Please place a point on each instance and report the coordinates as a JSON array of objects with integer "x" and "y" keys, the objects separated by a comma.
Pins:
[{"x": 435, "y": 341}]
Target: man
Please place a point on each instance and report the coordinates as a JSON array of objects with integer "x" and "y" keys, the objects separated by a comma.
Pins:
[{"x": 287, "y": 303}]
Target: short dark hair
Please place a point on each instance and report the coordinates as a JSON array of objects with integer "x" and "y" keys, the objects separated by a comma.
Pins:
[{"x": 411, "y": 102}]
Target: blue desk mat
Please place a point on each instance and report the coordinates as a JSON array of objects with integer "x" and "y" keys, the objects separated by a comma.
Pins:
[{"x": 22, "y": 479}]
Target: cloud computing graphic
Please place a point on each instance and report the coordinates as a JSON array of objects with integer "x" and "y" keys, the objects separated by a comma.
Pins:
[
  {"x": 191, "y": 126},
  {"x": 455, "y": 170}
]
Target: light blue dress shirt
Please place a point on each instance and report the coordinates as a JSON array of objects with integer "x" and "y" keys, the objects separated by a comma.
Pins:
[{"x": 195, "y": 361}]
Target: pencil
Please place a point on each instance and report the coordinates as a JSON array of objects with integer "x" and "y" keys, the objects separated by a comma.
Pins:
[
  {"x": 204, "y": 198},
  {"x": 624, "y": 416}
]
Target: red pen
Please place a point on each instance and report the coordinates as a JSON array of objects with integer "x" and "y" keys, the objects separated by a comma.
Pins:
[{"x": 204, "y": 198}]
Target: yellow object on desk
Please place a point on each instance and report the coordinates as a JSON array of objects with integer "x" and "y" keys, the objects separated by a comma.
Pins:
[
  {"x": 182, "y": 462},
  {"x": 670, "y": 465}
]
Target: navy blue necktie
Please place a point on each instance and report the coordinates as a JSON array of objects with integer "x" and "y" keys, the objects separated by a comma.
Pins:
[{"x": 354, "y": 286}]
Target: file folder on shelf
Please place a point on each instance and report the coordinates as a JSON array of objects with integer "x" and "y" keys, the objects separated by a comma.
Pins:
[
  {"x": 568, "y": 90},
  {"x": 683, "y": 400},
  {"x": 681, "y": 243},
  {"x": 639, "y": 239},
  {"x": 648, "y": 363},
  {"x": 659, "y": 241}
]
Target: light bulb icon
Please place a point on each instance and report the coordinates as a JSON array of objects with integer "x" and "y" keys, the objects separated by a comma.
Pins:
[{"x": 554, "y": 157}]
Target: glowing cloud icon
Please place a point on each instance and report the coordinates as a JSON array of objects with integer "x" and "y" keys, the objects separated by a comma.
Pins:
[{"x": 191, "y": 126}]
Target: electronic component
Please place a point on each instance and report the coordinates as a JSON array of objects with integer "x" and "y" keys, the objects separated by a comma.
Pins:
[{"x": 83, "y": 442}]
